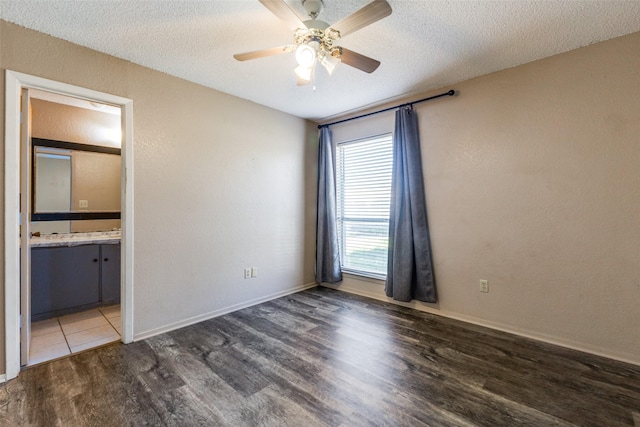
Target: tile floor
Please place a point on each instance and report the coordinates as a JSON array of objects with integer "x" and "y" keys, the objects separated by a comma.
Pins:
[{"x": 61, "y": 336}]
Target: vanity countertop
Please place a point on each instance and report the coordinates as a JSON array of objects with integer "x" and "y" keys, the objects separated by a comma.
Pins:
[{"x": 77, "y": 239}]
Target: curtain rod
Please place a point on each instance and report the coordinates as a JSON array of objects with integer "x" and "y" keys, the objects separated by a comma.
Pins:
[{"x": 450, "y": 93}]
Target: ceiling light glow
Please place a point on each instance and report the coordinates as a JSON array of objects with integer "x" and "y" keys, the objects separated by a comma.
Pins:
[
  {"x": 305, "y": 55},
  {"x": 304, "y": 72}
]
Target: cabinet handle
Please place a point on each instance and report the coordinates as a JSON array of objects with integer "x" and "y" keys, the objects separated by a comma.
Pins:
[
  {"x": 106, "y": 259},
  {"x": 95, "y": 260}
]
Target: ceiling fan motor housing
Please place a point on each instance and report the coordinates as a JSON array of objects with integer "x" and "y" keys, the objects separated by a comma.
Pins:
[
  {"x": 317, "y": 33},
  {"x": 319, "y": 39},
  {"x": 313, "y": 7}
]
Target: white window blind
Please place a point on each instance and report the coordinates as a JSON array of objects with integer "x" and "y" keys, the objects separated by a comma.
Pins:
[{"x": 363, "y": 184}]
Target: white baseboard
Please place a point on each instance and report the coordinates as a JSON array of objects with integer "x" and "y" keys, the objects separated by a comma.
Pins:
[
  {"x": 210, "y": 315},
  {"x": 494, "y": 325},
  {"x": 3, "y": 378}
]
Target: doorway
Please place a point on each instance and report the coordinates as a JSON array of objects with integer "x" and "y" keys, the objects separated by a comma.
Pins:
[
  {"x": 16, "y": 219},
  {"x": 76, "y": 173}
]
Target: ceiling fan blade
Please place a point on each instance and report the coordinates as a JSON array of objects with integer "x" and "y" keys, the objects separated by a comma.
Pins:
[
  {"x": 374, "y": 11},
  {"x": 262, "y": 53},
  {"x": 284, "y": 12},
  {"x": 356, "y": 60}
]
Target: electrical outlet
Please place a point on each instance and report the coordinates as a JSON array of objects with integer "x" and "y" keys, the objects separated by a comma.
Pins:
[
  {"x": 247, "y": 273},
  {"x": 254, "y": 272},
  {"x": 83, "y": 203},
  {"x": 484, "y": 285}
]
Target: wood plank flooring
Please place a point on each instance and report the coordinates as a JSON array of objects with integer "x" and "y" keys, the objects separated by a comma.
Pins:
[{"x": 326, "y": 358}]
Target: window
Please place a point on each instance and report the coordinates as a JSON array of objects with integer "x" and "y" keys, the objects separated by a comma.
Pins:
[{"x": 363, "y": 184}]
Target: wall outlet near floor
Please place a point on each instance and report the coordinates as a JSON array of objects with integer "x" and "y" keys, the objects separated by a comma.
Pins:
[
  {"x": 83, "y": 203},
  {"x": 247, "y": 273},
  {"x": 484, "y": 285},
  {"x": 254, "y": 271}
]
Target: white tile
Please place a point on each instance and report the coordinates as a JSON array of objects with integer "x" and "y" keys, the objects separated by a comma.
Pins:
[
  {"x": 46, "y": 340},
  {"x": 115, "y": 321},
  {"x": 79, "y": 338},
  {"x": 77, "y": 317},
  {"x": 91, "y": 344},
  {"x": 83, "y": 325},
  {"x": 78, "y": 331},
  {"x": 111, "y": 311},
  {"x": 44, "y": 354},
  {"x": 44, "y": 327}
]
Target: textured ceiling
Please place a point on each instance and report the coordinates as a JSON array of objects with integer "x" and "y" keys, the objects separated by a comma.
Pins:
[{"x": 422, "y": 45}]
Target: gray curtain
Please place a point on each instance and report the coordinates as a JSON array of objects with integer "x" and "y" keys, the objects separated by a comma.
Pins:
[
  {"x": 327, "y": 256},
  {"x": 410, "y": 267}
]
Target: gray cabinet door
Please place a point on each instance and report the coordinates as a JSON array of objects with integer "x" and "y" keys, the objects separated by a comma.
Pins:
[
  {"x": 64, "y": 277},
  {"x": 110, "y": 275}
]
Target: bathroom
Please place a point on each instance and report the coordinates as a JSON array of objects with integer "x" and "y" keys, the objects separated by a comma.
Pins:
[{"x": 72, "y": 263}]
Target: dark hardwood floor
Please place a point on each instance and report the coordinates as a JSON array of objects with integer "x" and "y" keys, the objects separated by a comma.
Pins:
[{"x": 326, "y": 358}]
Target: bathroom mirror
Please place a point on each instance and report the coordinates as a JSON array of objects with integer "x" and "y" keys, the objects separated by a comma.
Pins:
[{"x": 72, "y": 181}]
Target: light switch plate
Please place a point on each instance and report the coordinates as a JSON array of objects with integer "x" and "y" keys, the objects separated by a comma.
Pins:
[{"x": 83, "y": 203}]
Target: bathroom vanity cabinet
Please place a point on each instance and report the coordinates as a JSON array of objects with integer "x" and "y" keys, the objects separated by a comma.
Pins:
[
  {"x": 67, "y": 279},
  {"x": 110, "y": 273}
]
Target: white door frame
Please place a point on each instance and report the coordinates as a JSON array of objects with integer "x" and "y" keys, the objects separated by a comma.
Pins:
[
  {"x": 14, "y": 83},
  {"x": 25, "y": 226}
]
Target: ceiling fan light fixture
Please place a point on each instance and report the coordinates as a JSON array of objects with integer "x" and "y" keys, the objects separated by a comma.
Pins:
[
  {"x": 306, "y": 55},
  {"x": 313, "y": 39},
  {"x": 329, "y": 63},
  {"x": 304, "y": 72}
]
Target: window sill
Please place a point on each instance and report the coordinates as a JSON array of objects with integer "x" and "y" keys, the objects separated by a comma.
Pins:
[{"x": 378, "y": 280}]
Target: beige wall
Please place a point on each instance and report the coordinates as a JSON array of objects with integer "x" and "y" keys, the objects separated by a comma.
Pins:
[
  {"x": 220, "y": 184},
  {"x": 533, "y": 182},
  {"x": 51, "y": 120},
  {"x": 96, "y": 179},
  {"x": 95, "y": 176}
]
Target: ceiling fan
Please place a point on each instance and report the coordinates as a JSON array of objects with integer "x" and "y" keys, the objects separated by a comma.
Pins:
[{"x": 314, "y": 39}]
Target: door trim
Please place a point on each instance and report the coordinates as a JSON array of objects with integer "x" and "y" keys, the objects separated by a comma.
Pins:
[
  {"x": 25, "y": 228},
  {"x": 14, "y": 82}
]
